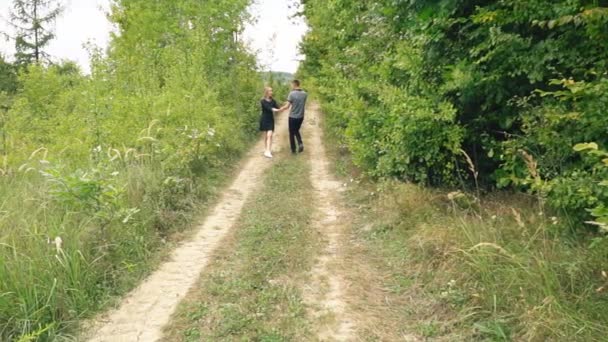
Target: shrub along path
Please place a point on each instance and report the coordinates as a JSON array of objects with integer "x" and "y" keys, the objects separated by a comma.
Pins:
[{"x": 143, "y": 312}]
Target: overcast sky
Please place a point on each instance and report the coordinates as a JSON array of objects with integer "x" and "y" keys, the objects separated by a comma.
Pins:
[
  {"x": 274, "y": 19},
  {"x": 84, "y": 20}
]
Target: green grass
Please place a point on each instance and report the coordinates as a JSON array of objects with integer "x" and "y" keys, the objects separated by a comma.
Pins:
[
  {"x": 106, "y": 248},
  {"x": 456, "y": 270},
  {"x": 497, "y": 273},
  {"x": 251, "y": 292}
]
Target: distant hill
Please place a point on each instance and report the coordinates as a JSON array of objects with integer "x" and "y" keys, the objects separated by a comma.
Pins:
[{"x": 278, "y": 75}]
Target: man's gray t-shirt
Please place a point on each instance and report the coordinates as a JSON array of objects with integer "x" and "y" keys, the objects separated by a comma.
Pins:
[{"x": 297, "y": 98}]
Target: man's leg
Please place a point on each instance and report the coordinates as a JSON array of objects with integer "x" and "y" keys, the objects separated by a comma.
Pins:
[
  {"x": 292, "y": 134},
  {"x": 298, "y": 136}
]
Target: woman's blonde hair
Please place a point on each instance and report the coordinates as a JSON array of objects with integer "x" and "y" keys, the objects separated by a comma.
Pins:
[{"x": 266, "y": 91}]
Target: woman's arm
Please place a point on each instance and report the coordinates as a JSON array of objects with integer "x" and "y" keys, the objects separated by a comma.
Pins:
[
  {"x": 275, "y": 107},
  {"x": 269, "y": 106}
]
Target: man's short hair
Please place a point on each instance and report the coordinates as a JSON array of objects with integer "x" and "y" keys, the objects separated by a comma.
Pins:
[{"x": 296, "y": 83}]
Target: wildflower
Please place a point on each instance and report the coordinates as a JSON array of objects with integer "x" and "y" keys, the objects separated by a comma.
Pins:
[
  {"x": 58, "y": 244},
  {"x": 454, "y": 195},
  {"x": 517, "y": 217},
  {"x": 194, "y": 134},
  {"x": 129, "y": 214}
]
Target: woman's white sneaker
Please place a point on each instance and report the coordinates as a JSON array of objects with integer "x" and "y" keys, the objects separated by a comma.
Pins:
[{"x": 267, "y": 154}]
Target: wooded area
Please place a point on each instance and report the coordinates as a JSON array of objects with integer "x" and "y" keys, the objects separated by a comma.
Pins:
[{"x": 495, "y": 94}]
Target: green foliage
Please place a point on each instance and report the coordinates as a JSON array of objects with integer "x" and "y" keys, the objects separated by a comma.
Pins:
[
  {"x": 8, "y": 77},
  {"x": 594, "y": 189},
  {"x": 408, "y": 137},
  {"x": 96, "y": 171},
  {"x": 408, "y": 84},
  {"x": 572, "y": 114}
]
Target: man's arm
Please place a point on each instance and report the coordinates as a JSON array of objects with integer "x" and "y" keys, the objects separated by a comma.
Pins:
[{"x": 285, "y": 106}]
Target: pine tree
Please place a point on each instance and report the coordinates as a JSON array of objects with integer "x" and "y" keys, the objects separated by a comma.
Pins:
[{"x": 31, "y": 19}]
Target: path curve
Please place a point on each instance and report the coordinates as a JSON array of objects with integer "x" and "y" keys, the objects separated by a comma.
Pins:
[{"x": 143, "y": 313}]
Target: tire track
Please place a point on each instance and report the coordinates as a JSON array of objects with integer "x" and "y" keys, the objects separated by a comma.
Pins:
[
  {"x": 143, "y": 312},
  {"x": 325, "y": 292}
]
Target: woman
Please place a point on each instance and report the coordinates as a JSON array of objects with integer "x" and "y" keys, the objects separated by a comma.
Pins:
[{"x": 269, "y": 107}]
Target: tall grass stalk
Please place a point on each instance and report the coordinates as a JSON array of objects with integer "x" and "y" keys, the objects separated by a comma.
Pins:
[{"x": 510, "y": 274}]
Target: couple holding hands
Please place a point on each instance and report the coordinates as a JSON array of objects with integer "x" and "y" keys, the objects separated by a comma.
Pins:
[{"x": 296, "y": 102}]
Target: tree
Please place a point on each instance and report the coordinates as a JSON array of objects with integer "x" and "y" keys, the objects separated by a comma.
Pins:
[
  {"x": 8, "y": 76},
  {"x": 31, "y": 19}
]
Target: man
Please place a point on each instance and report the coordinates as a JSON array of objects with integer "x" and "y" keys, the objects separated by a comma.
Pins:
[{"x": 296, "y": 102}]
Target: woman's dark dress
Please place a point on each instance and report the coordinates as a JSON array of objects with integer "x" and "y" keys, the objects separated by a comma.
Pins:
[{"x": 267, "y": 119}]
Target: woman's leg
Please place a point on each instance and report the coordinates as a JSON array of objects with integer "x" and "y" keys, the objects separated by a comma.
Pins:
[
  {"x": 269, "y": 141},
  {"x": 265, "y": 134}
]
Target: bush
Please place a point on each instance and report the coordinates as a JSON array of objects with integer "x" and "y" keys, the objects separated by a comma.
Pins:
[
  {"x": 408, "y": 137},
  {"x": 410, "y": 84},
  {"x": 96, "y": 171}
]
